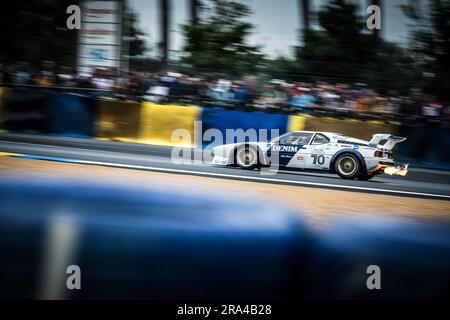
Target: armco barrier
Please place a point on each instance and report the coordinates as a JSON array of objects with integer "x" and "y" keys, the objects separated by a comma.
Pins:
[
  {"x": 133, "y": 243},
  {"x": 158, "y": 123},
  {"x": 146, "y": 243},
  {"x": 118, "y": 120}
]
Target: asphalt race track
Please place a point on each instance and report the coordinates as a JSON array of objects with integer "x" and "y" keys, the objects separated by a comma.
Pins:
[{"x": 418, "y": 183}]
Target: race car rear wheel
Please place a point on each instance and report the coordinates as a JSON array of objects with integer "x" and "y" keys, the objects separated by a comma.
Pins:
[
  {"x": 247, "y": 157},
  {"x": 347, "y": 166},
  {"x": 366, "y": 177}
]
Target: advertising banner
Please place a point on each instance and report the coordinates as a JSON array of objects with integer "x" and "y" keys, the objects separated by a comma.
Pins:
[{"x": 99, "y": 43}]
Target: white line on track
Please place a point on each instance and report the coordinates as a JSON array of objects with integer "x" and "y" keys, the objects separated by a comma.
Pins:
[{"x": 233, "y": 176}]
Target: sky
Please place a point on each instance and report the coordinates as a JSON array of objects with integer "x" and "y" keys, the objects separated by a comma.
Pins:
[{"x": 276, "y": 22}]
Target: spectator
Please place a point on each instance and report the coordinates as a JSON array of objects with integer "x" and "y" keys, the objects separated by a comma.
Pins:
[{"x": 243, "y": 94}]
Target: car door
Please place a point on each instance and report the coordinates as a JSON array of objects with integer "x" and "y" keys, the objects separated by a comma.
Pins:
[
  {"x": 288, "y": 146},
  {"x": 319, "y": 153}
]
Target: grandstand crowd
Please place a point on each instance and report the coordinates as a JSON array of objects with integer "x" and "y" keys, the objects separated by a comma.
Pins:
[{"x": 248, "y": 93}]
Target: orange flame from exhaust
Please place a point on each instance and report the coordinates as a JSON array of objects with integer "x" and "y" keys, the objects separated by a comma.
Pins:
[{"x": 399, "y": 170}]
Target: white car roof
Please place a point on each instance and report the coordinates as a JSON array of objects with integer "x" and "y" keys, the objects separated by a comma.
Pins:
[
  {"x": 323, "y": 132},
  {"x": 335, "y": 136}
]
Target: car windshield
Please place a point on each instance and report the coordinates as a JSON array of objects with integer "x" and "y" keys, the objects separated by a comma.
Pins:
[{"x": 295, "y": 138}]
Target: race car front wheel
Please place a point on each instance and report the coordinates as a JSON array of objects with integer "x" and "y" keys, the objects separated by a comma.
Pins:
[
  {"x": 247, "y": 157},
  {"x": 347, "y": 166}
]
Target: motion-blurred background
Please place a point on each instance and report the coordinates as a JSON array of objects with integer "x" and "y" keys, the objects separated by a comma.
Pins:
[
  {"x": 318, "y": 47},
  {"x": 313, "y": 57},
  {"x": 114, "y": 91}
]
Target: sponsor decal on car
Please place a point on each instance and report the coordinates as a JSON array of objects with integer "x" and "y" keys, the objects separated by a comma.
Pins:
[{"x": 285, "y": 148}]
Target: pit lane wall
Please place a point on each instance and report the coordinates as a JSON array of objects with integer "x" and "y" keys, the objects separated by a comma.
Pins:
[{"x": 78, "y": 115}]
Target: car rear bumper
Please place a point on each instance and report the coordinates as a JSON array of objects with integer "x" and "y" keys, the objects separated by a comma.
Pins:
[{"x": 389, "y": 167}]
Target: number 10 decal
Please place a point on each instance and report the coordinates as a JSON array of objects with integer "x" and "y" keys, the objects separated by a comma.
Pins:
[{"x": 318, "y": 159}]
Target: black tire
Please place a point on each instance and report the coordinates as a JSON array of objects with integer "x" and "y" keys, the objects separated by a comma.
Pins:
[
  {"x": 246, "y": 157},
  {"x": 347, "y": 166},
  {"x": 366, "y": 177}
]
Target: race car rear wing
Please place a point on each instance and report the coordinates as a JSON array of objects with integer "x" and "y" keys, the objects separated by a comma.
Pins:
[{"x": 390, "y": 143}]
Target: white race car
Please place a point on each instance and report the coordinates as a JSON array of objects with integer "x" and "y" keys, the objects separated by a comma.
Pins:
[{"x": 349, "y": 157}]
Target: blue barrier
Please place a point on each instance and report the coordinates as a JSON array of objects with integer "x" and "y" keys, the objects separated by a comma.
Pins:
[
  {"x": 230, "y": 119},
  {"x": 72, "y": 114},
  {"x": 25, "y": 110},
  {"x": 140, "y": 243},
  {"x": 427, "y": 145},
  {"x": 42, "y": 111},
  {"x": 75, "y": 115},
  {"x": 413, "y": 257}
]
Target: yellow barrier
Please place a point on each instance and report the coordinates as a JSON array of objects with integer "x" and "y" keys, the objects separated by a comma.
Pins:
[
  {"x": 3, "y": 92},
  {"x": 158, "y": 123},
  {"x": 154, "y": 123},
  {"x": 296, "y": 123},
  {"x": 118, "y": 120},
  {"x": 357, "y": 129}
]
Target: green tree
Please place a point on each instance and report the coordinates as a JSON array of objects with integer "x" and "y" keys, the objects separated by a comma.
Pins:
[
  {"x": 342, "y": 50},
  {"x": 430, "y": 43},
  {"x": 35, "y": 30},
  {"x": 134, "y": 35},
  {"x": 216, "y": 44}
]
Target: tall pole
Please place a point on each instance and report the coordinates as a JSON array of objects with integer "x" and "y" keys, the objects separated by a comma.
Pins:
[
  {"x": 165, "y": 10},
  {"x": 304, "y": 6},
  {"x": 125, "y": 38},
  {"x": 194, "y": 4}
]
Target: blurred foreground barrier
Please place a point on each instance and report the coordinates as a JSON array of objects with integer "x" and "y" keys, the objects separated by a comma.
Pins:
[
  {"x": 145, "y": 244},
  {"x": 413, "y": 260},
  {"x": 43, "y": 111},
  {"x": 132, "y": 243}
]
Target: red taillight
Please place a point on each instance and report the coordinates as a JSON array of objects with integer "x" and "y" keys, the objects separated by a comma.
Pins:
[{"x": 378, "y": 154}]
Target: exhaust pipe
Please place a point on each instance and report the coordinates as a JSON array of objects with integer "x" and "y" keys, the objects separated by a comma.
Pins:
[{"x": 398, "y": 170}]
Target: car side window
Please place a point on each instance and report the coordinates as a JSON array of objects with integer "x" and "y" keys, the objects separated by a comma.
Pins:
[
  {"x": 320, "y": 139},
  {"x": 296, "y": 138}
]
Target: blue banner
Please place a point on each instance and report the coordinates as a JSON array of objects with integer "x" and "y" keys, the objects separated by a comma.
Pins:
[
  {"x": 72, "y": 114},
  {"x": 222, "y": 120}
]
